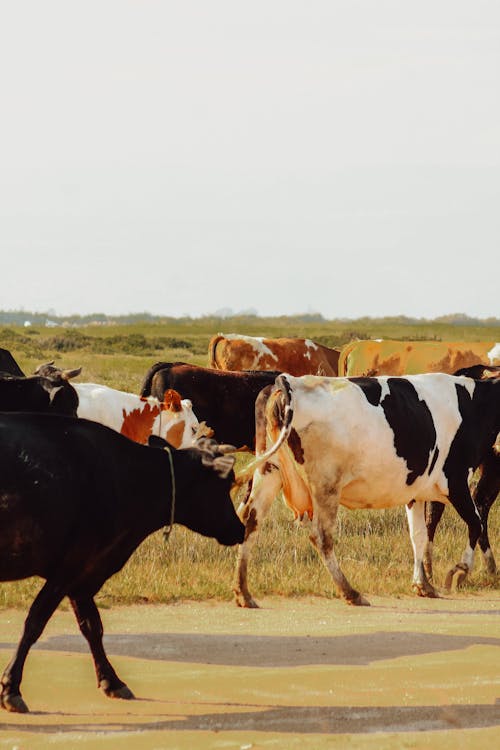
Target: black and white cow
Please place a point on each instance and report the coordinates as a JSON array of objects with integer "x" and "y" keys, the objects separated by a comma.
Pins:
[
  {"x": 368, "y": 443},
  {"x": 484, "y": 494}
]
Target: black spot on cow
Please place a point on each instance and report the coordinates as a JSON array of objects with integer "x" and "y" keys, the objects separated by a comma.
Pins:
[
  {"x": 296, "y": 446},
  {"x": 371, "y": 389},
  {"x": 411, "y": 422}
]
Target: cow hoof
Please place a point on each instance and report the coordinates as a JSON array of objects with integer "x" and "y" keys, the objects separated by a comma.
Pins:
[
  {"x": 462, "y": 569},
  {"x": 359, "y": 601},
  {"x": 425, "y": 590},
  {"x": 246, "y": 602},
  {"x": 122, "y": 691},
  {"x": 14, "y": 703}
]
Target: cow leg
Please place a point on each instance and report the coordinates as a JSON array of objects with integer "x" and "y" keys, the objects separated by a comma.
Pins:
[
  {"x": 415, "y": 513},
  {"x": 265, "y": 487},
  {"x": 43, "y": 607},
  {"x": 464, "y": 505},
  {"x": 90, "y": 624},
  {"x": 323, "y": 525},
  {"x": 433, "y": 513},
  {"x": 485, "y": 494}
]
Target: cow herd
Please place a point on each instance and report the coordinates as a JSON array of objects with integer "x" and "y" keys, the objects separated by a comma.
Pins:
[{"x": 88, "y": 472}]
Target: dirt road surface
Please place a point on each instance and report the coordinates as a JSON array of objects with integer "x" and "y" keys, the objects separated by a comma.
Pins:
[{"x": 298, "y": 673}]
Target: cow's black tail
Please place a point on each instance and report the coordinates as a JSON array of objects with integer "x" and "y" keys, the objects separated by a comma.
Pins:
[{"x": 148, "y": 379}]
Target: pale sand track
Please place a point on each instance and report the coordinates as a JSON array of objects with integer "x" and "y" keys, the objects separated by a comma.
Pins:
[{"x": 298, "y": 673}]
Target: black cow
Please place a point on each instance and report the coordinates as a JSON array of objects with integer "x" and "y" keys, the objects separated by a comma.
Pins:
[
  {"x": 224, "y": 400},
  {"x": 77, "y": 499},
  {"x": 8, "y": 365},
  {"x": 484, "y": 495},
  {"x": 52, "y": 393}
]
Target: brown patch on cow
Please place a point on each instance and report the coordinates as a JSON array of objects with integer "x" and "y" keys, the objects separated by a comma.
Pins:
[
  {"x": 251, "y": 524},
  {"x": 390, "y": 366},
  {"x": 296, "y": 446},
  {"x": 455, "y": 360},
  {"x": 172, "y": 400},
  {"x": 138, "y": 424},
  {"x": 175, "y": 433}
]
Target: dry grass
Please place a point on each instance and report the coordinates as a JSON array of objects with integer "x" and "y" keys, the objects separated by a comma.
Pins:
[{"x": 373, "y": 548}]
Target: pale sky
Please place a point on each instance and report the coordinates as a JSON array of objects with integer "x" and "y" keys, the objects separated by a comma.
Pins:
[{"x": 335, "y": 156}]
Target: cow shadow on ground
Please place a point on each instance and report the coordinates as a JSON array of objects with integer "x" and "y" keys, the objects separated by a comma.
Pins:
[
  {"x": 293, "y": 719},
  {"x": 269, "y": 651}
]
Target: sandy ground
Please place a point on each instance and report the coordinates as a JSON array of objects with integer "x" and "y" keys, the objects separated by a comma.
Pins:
[{"x": 297, "y": 673}]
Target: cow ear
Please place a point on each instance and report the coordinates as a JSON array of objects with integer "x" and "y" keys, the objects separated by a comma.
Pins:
[
  {"x": 223, "y": 465},
  {"x": 172, "y": 400},
  {"x": 45, "y": 369},
  {"x": 157, "y": 442}
]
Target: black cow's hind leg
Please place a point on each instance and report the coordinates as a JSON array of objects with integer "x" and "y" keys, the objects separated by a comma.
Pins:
[
  {"x": 90, "y": 624},
  {"x": 44, "y": 605}
]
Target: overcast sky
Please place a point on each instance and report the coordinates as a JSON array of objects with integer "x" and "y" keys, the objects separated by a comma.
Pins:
[{"x": 335, "y": 156}]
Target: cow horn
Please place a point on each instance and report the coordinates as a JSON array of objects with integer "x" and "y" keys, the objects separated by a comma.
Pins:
[
  {"x": 67, "y": 374},
  {"x": 225, "y": 448},
  {"x": 203, "y": 431}
]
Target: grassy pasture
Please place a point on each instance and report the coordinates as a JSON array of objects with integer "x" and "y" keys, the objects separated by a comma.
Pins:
[{"x": 373, "y": 546}]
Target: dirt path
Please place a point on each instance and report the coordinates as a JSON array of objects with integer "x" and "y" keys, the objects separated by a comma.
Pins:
[{"x": 308, "y": 673}]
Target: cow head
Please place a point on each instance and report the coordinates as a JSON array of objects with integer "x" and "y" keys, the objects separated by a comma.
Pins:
[{"x": 203, "y": 477}]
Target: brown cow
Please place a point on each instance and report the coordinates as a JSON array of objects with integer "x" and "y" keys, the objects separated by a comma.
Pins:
[
  {"x": 295, "y": 356},
  {"x": 379, "y": 357}
]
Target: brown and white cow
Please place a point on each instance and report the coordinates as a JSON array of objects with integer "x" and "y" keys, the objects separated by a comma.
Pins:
[
  {"x": 295, "y": 356},
  {"x": 380, "y": 357},
  {"x": 368, "y": 443},
  {"x": 135, "y": 417}
]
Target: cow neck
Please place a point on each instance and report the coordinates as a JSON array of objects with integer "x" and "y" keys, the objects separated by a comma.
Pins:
[{"x": 167, "y": 530}]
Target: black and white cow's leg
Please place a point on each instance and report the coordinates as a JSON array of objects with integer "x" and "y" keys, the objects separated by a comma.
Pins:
[
  {"x": 266, "y": 485},
  {"x": 323, "y": 525},
  {"x": 433, "y": 513},
  {"x": 415, "y": 513},
  {"x": 462, "y": 501},
  {"x": 44, "y": 605},
  {"x": 485, "y": 494},
  {"x": 90, "y": 624}
]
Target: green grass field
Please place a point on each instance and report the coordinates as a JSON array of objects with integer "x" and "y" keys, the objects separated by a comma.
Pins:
[{"x": 373, "y": 546}]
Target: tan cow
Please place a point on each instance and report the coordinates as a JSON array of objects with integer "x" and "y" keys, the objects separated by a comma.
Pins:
[
  {"x": 295, "y": 356},
  {"x": 378, "y": 357}
]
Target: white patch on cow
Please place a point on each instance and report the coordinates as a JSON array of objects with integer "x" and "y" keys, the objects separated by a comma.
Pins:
[
  {"x": 256, "y": 342},
  {"x": 53, "y": 392},
  {"x": 468, "y": 557},
  {"x": 310, "y": 345},
  {"x": 494, "y": 355}
]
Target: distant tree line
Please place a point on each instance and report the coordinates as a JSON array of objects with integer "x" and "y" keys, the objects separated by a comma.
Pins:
[{"x": 50, "y": 319}]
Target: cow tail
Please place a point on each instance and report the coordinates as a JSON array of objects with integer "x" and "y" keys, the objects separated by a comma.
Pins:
[
  {"x": 212, "y": 345},
  {"x": 148, "y": 379},
  {"x": 285, "y": 405}
]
